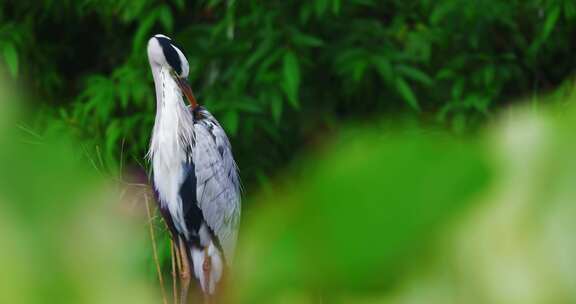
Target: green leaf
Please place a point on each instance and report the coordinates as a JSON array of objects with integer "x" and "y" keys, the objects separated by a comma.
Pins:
[
  {"x": 445, "y": 73},
  {"x": 320, "y": 7},
  {"x": 407, "y": 93},
  {"x": 231, "y": 122},
  {"x": 257, "y": 55},
  {"x": 441, "y": 11},
  {"x": 302, "y": 39},
  {"x": 414, "y": 74},
  {"x": 353, "y": 63},
  {"x": 113, "y": 134},
  {"x": 165, "y": 16},
  {"x": 213, "y": 3},
  {"x": 123, "y": 94},
  {"x": 358, "y": 71},
  {"x": 550, "y": 23},
  {"x": 457, "y": 89},
  {"x": 276, "y": 108},
  {"x": 336, "y": 6},
  {"x": 291, "y": 71},
  {"x": 143, "y": 30},
  {"x": 489, "y": 73},
  {"x": 383, "y": 67},
  {"x": 305, "y": 14},
  {"x": 569, "y": 9},
  {"x": 244, "y": 104},
  {"x": 11, "y": 58},
  {"x": 179, "y": 4}
]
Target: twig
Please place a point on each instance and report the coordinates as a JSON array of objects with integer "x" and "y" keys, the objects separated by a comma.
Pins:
[
  {"x": 29, "y": 131},
  {"x": 99, "y": 154},
  {"x": 178, "y": 260},
  {"x": 178, "y": 264},
  {"x": 174, "y": 287},
  {"x": 155, "y": 252},
  {"x": 121, "y": 158}
]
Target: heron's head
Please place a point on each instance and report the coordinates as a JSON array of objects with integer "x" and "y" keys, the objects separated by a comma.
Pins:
[{"x": 163, "y": 53}]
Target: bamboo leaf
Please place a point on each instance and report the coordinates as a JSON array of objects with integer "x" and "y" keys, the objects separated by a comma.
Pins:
[
  {"x": 550, "y": 23},
  {"x": 384, "y": 68},
  {"x": 11, "y": 58},
  {"x": 165, "y": 17},
  {"x": 291, "y": 72},
  {"x": 320, "y": 6},
  {"x": 414, "y": 74},
  {"x": 303, "y": 39},
  {"x": 407, "y": 93},
  {"x": 276, "y": 108},
  {"x": 231, "y": 122}
]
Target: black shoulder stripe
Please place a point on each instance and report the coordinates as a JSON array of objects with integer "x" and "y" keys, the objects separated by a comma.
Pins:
[{"x": 171, "y": 54}]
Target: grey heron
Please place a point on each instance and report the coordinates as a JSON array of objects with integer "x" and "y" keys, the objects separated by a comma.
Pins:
[{"x": 194, "y": 174}]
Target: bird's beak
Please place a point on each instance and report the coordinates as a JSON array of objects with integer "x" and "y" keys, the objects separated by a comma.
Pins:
[{"x": 187, "y": 91}]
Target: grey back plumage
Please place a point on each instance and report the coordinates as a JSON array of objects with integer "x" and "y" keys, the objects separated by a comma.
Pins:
[{"x": 218, "y": 186}]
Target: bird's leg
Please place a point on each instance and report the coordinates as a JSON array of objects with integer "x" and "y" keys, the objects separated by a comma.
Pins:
[
  {"x": 184, "y": 273},
  {"x": 206, "y": 268}
]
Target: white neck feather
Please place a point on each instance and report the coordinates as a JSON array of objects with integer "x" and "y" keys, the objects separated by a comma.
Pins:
[
  {"x": 173, "y": 128},
  {"x": 172, "y": 137}
]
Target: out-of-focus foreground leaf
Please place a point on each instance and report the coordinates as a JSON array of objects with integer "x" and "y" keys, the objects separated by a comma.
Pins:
[
  {"x": 65, "y": 236},
  {"x": 374, "y": 220},
  {"x": 353, "y": 220},
  {"x": 516, "y": 245}
]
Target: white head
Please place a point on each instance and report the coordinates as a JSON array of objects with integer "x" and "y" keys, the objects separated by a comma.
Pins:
[{"x": 164, "y": 54}]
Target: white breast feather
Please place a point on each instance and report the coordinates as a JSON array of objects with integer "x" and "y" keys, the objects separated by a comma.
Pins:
[{"x": 167, "y": 149}]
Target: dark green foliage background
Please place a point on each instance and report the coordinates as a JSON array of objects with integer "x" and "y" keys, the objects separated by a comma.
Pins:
[
  {"x": 280, "y": 75},
  {"x": 283, "y": 77}
]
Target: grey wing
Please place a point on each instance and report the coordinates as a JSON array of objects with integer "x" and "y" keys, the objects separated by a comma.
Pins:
[{"x": 218, "y": 186}]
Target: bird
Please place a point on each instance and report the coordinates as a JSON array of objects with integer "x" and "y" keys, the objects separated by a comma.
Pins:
[{"x": 193, "y": 172}]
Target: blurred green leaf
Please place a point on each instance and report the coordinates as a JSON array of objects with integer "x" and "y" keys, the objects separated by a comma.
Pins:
[
  {"x": 320, "y": 6},
  {"x": 276, "y": 104},
  {"x": 230, "y": 121},
  {"x": 384, "y": 68},
  {"x": 550, "y": 23},
  {"x": 165, "y": 17},
  {"x": 303, "y": 39},
  {"x": 291, "y": 84},
  {"x": 414, "y": 74},
  {"x": 143, "y": 30},
  {"x": 11, "y": 57},
  {"x": 407, "y": 93},
  {"x": 360, "y": 192}
]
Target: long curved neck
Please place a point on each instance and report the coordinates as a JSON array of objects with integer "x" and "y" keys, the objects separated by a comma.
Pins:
[
  {"x": 168, "y": 93},
  {"x": 173, "y": 127}
]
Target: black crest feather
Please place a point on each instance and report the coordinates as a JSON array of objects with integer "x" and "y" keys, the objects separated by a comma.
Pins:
[{"x": 171, "y": 54}]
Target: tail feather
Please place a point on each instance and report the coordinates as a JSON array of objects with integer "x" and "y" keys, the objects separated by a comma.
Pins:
[{"x": 208, "y": 279}]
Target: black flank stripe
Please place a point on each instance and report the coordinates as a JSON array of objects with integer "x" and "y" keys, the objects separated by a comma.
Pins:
[{"x": 192, "y": 213}]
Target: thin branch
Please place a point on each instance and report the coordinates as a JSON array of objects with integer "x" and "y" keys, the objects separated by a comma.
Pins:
[
  {"x": 172, "y": 258},
  {"x": 155, "y": 252},
  {"x": 178, "y": 260},
  {"x": 121, "y": 169},
  {"x": 99, "y": 154}
]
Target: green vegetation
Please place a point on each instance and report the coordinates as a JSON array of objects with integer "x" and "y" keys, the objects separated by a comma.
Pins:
[
  {"x": 381, "y": 160},
  {"x": 279, "y": 74}
]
